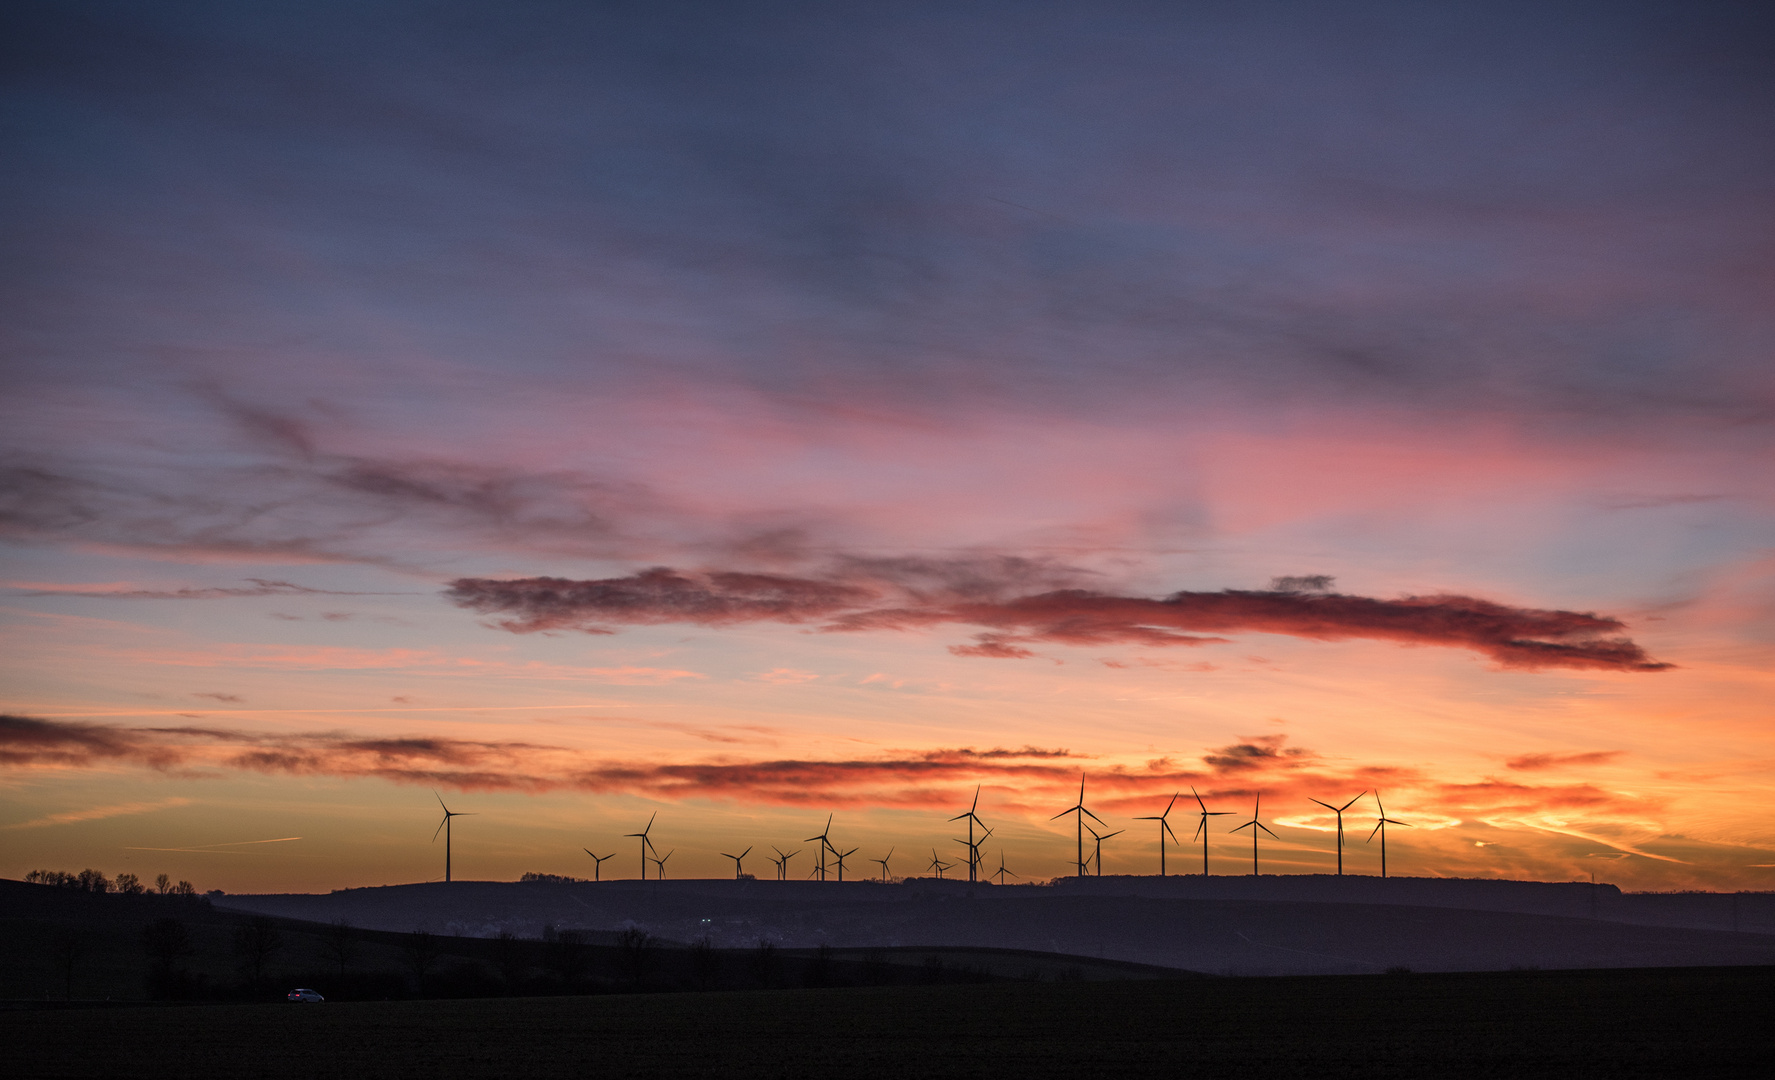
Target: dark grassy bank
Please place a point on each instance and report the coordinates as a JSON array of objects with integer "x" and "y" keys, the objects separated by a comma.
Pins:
[{"x": 1640, "y": 1023}]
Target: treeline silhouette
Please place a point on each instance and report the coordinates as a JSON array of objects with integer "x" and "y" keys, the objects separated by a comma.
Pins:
[{"x": 94, "y": 881}]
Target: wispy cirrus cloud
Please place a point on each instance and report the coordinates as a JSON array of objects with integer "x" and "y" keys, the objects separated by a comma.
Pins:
[
  {"x": 861, "y": 598},
  {"x": 126, "y": 591},
  {"x": 100, "y": 813}
]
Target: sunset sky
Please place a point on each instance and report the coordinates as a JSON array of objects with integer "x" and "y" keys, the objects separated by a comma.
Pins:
[{"x": 753, "y": 412}]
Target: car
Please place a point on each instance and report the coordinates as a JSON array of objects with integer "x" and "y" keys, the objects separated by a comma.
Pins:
[{"x": 303, "y": 994}]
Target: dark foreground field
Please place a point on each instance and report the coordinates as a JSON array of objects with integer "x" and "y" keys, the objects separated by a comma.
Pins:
[{"x": 1651, "y": 1023}]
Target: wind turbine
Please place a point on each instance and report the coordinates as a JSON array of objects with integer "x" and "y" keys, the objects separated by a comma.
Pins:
[
  {"x": 1079, "y": 809},
  {"x": 444, "y": 827},
  {"x": 1202, "y": 826},
  {"x": 825, "y": 846},
  {"x": 598, "y": 863},
  {"x": 1001, "y": 872},
  {"x": 1339, "y": 811},
  {"x": 938, "y": 864},
  {"x": 973, "y": 819},
  {"x": 1100, "y": 838},
  {"x": 1254, "y": 825},
  {"x": 736, "y": 861},
  {"x": 646, "y": 844},
  {"x": 884, "y": 864},
  {"x": 1164, "y": 827},
  {"x": 974, "y": 857},
  {"x": 841, "y": 856},
  {"x": 782, "y": 861},
  {"x": 659, "y": 864},
  {"x": 1381, "y": 827}
]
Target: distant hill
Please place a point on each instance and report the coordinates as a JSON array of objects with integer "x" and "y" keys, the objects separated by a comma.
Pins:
[
  {"x": 1245, "y": 926},
  {"x": 66, "y": 945}
]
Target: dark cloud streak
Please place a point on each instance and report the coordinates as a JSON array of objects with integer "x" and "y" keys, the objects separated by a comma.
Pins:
[{"x": 1513, "y": 637}]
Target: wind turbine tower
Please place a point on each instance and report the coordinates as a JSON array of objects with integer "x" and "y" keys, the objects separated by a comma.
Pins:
[
  {"x": 444, "y": 827},
  {"x": 598, "y": 863},
  {"x": 646, "y": 843},
  {"x": 1202, "y": 826},
  {"x": 1098, "y": 839},
  {"x": 1078, "y": 808},
  {"x": 825, "y": 846},
  {"x": 1339, "y": 811},
  {"x": 737, "y": 865},
  {"x": 1380, "y": 826},
  {"x": 1164, "y": 829},
  {"x": 973, "y": 819},
  {"x": 1255, "y": 825}
]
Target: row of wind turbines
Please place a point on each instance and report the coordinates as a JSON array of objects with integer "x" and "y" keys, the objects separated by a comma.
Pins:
[{"x": 975, "y": 860}]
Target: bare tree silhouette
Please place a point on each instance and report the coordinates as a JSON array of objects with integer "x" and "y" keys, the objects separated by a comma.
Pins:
[
  {"x": 256, "y": 941},
  {"x": 509, "y": 958},
  {"x": 764, "y": 962},
  {"x": 419, "y": 950},
  {"x": 340, "y": 946},
  {"x": 704, "y": 961},
  {"x": 567, "y": 956},
  {"x": 68, "y": 948},
  {"x": 635, "y": 947},
  {"x": 166, "y": 941}
]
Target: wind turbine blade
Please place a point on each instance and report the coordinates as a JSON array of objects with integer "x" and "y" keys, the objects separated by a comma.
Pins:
[
  {"x": 1199, "y": 801},
  {"x": 745, "y": 853},
  {"x": 1351, "y": 803},
  {"x": 1377, "y": 828},
  {"x": 440, "y": 828},
  {"x": 1326, "y": 805},
  {"x": 1166, "y": 825},
  {"x": 1200, "y": 829},
  {"x": 1063, "y": 813},
  {"x": 1095, "y": 818},
  {"x": 1265, "y": 828},
  {"x": 440, "y": 799}
]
